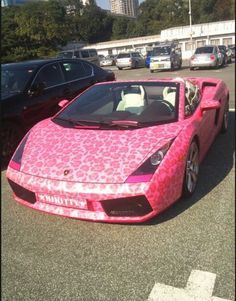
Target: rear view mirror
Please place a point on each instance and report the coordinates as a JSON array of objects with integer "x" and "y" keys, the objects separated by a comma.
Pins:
[
  {"x": 36, "y": 89},
  {"x": 63, "y": 103}
]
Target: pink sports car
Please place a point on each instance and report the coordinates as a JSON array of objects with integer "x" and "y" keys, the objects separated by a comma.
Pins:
[{"x": 121, "y": 151}]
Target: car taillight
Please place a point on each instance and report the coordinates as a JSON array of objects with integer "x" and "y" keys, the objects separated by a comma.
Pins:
[
  {"x": 212, "y": 57},
  {"x": 193, "y": 57}
]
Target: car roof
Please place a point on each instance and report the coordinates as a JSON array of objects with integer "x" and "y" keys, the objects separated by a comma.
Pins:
[{"x": 39, "y": 62}]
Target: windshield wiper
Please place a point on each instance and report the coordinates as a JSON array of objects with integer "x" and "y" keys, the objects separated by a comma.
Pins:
[
  {"x": 125, "y": 123},
  {"x": 81, "y": 123},
  {"x": 86, "y": 123}
]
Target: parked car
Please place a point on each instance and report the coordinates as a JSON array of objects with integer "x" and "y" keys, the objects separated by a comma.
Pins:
[
  {"x": 148, "y": 58},
  {"x": 206, "y": 56},
  {"x": 227, "y": 54},
  {"x": 89, "y": 55},
  {"x": 31, "y": 90},
  {"x": 129, "y": 60},
  {"x": 122, "y": 151},
  {"x": 232, "y": 48},
  {"x": 108, "y": 61},
  {"x": 166, "y": 57}
]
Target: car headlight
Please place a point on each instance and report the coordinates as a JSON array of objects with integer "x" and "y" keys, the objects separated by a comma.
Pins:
[
  {"x": 15, "y": 161},
  {"x": 145, "y": 171}
]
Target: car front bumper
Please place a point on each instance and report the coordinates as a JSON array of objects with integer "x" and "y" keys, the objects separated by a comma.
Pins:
[{"x": 117, "y": 203}]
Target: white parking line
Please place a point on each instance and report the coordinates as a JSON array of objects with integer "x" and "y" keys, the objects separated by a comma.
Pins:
[
  {"x": 199, "y": 287},
  {"x": 232, "y": 109}
]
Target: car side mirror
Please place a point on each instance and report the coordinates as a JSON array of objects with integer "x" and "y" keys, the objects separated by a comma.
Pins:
[
  {"x": 210, "y": 105},
  {"x": 36, "y": 89},
  {"x": 63, "y": 103}
]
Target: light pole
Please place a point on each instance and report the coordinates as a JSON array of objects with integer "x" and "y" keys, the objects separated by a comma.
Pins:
[{"x": 190, "y": 23}]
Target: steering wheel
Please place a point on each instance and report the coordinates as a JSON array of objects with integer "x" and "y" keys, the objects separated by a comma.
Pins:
[{"x": 169, "y": 105}]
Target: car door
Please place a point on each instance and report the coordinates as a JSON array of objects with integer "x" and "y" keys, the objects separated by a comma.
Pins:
[
  {"x": 47, "y": 89},
  {"x": 79, "y": 76},
  {"x": 139, "y": 59}
]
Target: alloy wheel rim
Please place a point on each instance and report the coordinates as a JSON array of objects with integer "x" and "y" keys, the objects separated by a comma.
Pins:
[{"x": 192, "y": 168}]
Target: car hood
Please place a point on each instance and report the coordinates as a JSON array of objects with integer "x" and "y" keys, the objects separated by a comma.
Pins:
[{"x": 89, "y": 155}]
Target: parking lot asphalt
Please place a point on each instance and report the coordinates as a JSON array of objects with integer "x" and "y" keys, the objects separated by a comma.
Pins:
[{"x": 53, "y": 258}]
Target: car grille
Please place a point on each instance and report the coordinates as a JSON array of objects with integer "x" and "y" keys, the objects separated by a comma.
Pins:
[
  {"x": 22, "y": 193},
  {"x": 130, "y": 206}
]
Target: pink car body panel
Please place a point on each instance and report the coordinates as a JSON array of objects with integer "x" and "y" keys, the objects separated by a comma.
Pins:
[{"x": 94, "y": 165}]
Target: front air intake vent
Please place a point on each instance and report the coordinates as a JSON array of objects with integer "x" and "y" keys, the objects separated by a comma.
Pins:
[
  {"x": 22, "y": 193},
  {"x": 130, "y": 206}
]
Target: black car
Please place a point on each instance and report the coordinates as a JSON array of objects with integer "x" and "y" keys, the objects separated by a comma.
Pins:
[
  {"x": 227, "y": 53},
  {"x": 31, "y": 91}
]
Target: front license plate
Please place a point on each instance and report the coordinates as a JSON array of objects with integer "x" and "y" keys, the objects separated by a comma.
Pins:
[
  {"x": 157, "y": 65},
  {"x": 62, "y": 201}
]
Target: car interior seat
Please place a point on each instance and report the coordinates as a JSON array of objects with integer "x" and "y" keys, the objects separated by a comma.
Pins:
[
  {"x": 169, "y": 95},
  {"x": 132, "y": 101}
]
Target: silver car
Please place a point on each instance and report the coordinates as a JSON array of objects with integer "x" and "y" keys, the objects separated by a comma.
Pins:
[
  {"x": 206, "y": 56},
  {"x": 129, "y": 60}
]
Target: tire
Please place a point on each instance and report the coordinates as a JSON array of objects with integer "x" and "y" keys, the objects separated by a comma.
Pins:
[
  {"x": 172, "y": 67},
  {"x": 191, "y": 170},
  {"x": 225, "y": 121},
  {"x": 11, "y": 134},
  {"x": 151, "y": 71},
  {"x": 119, "y": 68},
  {"x": 191, "y": 68}
]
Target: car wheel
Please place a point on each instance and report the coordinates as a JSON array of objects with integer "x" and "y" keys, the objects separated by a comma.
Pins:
[
  {"x": 191, "y": 68},
  {"x": 11, "y": 134},
  {"x": 172, "y": 67},
  {"x": 191, "y": 170},
  {"x": 119, "y": 68},
  {"x": 151, "y": 71},
  {"x": 225, "y": 121}
]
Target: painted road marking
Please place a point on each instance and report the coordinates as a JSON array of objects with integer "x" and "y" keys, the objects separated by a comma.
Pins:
[
  {"x": 232, "y": 110},
  {"x": 199, "y": 287}
]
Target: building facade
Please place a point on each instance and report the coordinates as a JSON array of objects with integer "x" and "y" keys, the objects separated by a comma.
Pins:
[
  {"x": 215, "y": 33},
  {"x": 125, "y": 7}
]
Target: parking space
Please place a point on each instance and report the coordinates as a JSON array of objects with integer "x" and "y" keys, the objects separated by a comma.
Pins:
[{"x": 51, "y": 258}]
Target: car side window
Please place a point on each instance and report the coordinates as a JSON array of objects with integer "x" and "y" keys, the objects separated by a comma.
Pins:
[
  {"x": 74, "y": 70},
  {"x": 49, "y": 75},
  {"x": 192, "y": 98},
  {"x": 88, "y": 69},
  {"x": 77, "y": 54},
  {"x": 92, "y": 52},
  {"x": 84, "y": 53}
]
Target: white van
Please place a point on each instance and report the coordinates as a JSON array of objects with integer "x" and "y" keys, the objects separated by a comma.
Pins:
[{"x": 85, "y": 54}]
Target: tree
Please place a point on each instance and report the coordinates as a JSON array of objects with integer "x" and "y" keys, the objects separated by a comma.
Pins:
[
  {"x": 9, "y": 38},
  {"x": 43, "y": 23}
]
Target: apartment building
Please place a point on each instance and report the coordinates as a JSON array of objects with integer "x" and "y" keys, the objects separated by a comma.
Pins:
[{"x": 125, "y": 7}]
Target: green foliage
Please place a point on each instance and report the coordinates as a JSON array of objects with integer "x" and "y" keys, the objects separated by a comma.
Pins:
[{"x": 37, "y": 29}]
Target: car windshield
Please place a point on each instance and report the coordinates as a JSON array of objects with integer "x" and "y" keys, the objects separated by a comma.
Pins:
[
  {"x": 202, "y": 50},
  {"x": 165, "y": 50},
  {"x": 123, "y": 55},
  {"x": 123, "y": 105},
  {"x": 14, "y": 78}
]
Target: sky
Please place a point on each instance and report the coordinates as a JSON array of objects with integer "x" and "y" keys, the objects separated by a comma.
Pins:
[{"x": 105, "y": 4}]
